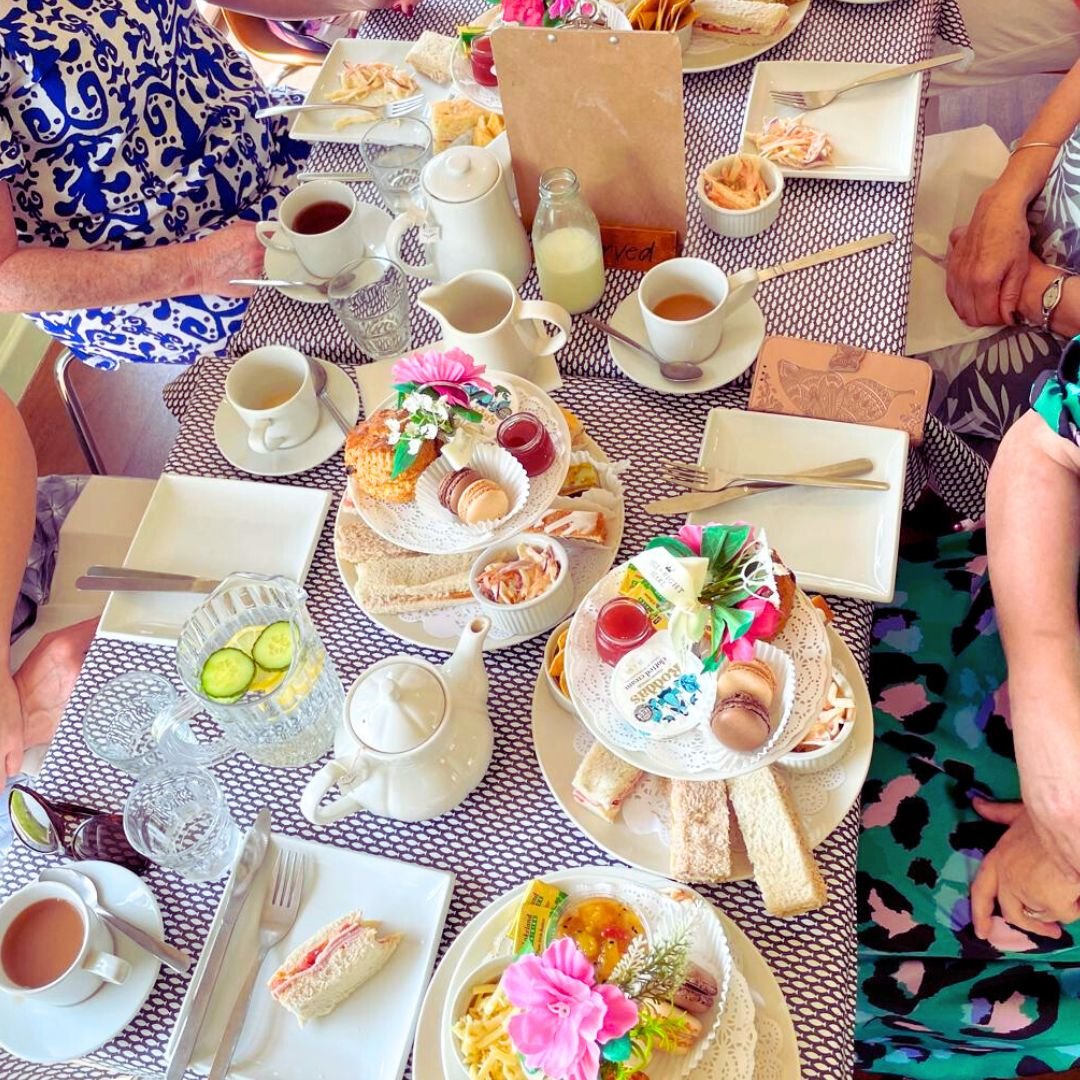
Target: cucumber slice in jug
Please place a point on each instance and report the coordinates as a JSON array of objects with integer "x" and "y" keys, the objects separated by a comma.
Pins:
[
  {"x": 273, "y": 650},
  {"x": 226, "y": 674}
]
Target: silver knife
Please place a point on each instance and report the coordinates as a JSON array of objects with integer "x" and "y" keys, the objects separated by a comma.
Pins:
[
  {"x": 702, "y": 500},
  {"x": 344, "y": 177},
  {"x": 828, "y": 255},
  {"x": 193, "y": 1011},
  {"x": 125, "y": 579}
]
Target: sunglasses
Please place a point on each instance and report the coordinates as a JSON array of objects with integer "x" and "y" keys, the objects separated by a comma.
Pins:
[{"x": 50, "y": 827}]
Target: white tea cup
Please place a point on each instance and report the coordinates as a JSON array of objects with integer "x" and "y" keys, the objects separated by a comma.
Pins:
[
  {"x": 324, "y": 239},
  {"x": 92, "y": 963},
  {"x": 272, "y": 392},
  {"x": 695, "y": 339}
]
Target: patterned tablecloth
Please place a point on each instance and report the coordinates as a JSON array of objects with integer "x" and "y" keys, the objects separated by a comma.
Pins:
[{"x": 511, "y": 829}]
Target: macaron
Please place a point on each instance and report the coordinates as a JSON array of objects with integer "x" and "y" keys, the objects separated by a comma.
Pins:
[
  {"x": 753, "y": 677},
  {"x": 483, "y": 500},
  {"x": 698, "y": 992},
  {"x": 453, "y": 484},
  {"x": 741, "y": 722}
]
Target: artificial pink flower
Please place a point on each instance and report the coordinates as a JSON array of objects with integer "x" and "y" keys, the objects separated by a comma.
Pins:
[
  {"x": 447, "y": 373},
  {"x": 525, "y": 12},
  {"x": 559, "y": 9},
  {"x": 564, "y": 1015},
  {"x": 766, "y": 620},
  {"x": 691, "y": 535}
]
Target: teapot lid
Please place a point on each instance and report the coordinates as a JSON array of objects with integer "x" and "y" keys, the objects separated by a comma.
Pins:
[
  {"x": 461, "y": 174},
  {"x": 396, "y": 707}
]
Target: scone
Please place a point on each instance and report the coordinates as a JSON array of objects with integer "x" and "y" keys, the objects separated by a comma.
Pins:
[
  {"x": 452, "y": 118},
  {"x": 369, "y": 458}
]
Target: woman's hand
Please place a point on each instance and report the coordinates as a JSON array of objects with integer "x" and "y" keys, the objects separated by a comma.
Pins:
[
  {"x": 233, "y": 251},
  {"x": 988, "y": 260},
  {"x": 1031, "y": 892}
]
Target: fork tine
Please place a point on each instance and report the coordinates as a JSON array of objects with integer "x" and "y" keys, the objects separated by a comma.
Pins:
[
  {"x": 680, "y": 466},
  {"x": 682, "y": 473},
  {"x": 408, "y": 105},
  {"x": 296, "y": 881},
  {"x": 794, "y": 100}
]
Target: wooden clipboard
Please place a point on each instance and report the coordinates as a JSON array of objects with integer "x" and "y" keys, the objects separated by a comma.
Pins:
[{"x": 607, "y": 104}]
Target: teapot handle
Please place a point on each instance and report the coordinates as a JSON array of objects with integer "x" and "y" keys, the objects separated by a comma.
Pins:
[
  {"x": 413, "y": 218},
  {"x": 542, "y": 311},
  {"x": 334, "y": 771}
]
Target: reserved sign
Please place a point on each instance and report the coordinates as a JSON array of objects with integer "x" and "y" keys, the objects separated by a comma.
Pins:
[{"x": 628, "y": 247}]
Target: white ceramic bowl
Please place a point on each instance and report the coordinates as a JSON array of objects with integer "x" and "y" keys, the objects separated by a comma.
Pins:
[
  {"x": 536, "y": 615},
  {"x": 820, "y": 759},
  {"x": 458, "y": 1002},
  {"x": 739, "y": 223},
  {"x": 553, "y": 685}
]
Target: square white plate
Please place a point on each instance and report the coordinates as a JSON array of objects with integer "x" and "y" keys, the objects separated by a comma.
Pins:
[
  {"x": 872, "y": 128},
  {"x": 839, "y": 542},
  {"x": 369, "y": 1035},
  {"x": 210, "y": 528},
  {"x": 319, "y": 126}
]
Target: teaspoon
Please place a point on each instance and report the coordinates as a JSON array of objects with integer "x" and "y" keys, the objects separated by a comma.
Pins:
[
  {"x": 675, "y": 372},
  {"x": 318, "y": 378}
]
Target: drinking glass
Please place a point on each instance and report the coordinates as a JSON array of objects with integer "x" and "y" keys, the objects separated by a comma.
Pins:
[
  {"x": 394, "y": 152},
  {"x": 178, "y": 818},
  {"x": 371, "y": 297},
  {"x": 118, "y": 722}
]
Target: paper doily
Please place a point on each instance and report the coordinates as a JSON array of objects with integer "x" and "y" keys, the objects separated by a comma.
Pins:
[
  {"x": 732, "y": 1055},
  {"x": 770, "y": 1048}
]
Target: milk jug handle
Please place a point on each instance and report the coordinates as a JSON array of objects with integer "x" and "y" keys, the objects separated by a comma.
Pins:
[
  {"x": 542, "y": 311},
  {"x": 320, "y": 784},
  {"x": 413, "y": 218},
  {"x": 172, "y": 731}
]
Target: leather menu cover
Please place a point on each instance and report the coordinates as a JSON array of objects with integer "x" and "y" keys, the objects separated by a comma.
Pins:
[{"x": 840, "y": 382}]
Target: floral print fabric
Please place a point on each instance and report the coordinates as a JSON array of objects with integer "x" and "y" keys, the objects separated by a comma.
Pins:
[
  {"x": 935, "y": 1001},
  {"x": 128, "y": 124}
]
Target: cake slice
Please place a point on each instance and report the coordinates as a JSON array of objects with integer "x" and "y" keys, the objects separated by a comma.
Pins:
[
  {"x": 700, "y": 831},
  {"x": 784, "y": 867}
]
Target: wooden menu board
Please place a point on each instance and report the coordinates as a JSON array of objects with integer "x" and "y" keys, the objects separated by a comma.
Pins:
[{"x": 607, "y": 104}]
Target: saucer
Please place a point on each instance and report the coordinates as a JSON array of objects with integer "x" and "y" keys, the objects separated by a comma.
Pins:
[
  {"x": 231, "y": 433},
  {"x": 48, "y": 1034},
  {"x": 744, "y": 331},
  {"x": 286, "y": 265}
]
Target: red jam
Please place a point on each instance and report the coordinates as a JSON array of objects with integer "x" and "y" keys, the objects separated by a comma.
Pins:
[
  {"x": 483, "y": 62},
  {"x": 621, "y": 626},
  {"x": 525, "y": 438}
]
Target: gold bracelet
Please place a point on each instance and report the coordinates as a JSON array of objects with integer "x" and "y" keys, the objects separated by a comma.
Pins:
[{"x": 1030, "y": 145}]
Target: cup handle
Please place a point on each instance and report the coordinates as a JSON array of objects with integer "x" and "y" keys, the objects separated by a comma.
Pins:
[
  {"x": 413, "y": 218},
  {"x": 330, "y": 775},
  {"x": 267, "y": 232},
  {"x": 260, "y": 440},
  {"x": 542, "y": 311},
  {"x": 172, "y": 730},
  {"x": 108, "y": 967},
  {"x": 741, "y": 287}
]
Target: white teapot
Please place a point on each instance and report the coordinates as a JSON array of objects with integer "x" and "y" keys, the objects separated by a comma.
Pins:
[
  {"x": 416, "y": 738},
  {"x": 468, "y": 221}
]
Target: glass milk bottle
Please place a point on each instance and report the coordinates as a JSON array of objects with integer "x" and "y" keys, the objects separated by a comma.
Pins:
[{"x": 566, "y": 244}]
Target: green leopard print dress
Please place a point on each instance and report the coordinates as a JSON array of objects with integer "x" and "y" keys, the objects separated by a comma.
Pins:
[{"x": 935, "y": 1001}]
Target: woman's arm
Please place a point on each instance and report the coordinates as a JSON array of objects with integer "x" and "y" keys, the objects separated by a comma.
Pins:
[
  {"x": 1065, "y": 319},
  {"x": 1033, "y": 535},
  {"x": 988, "y": 263},
  {"x": 56, "y": 279}
]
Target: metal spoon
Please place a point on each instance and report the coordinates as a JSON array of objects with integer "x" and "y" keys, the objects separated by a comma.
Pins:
[
  {"x": 318, "y": 377},
  {"x": 676, "y": 372},
  {"x": 281, "y": 283},
  {"x": 169, "y": 955}
]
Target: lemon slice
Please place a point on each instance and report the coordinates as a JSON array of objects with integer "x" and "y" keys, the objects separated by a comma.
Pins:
[
  {"x": 265, "y": 681},
  {"x": 244, "y": 639}
]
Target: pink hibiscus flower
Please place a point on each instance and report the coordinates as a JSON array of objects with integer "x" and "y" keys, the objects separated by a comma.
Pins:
[
  {"x": 525, "y": 12},
  {"x": 447, "y": 373},
  {"x": 565, "y": 1017}
]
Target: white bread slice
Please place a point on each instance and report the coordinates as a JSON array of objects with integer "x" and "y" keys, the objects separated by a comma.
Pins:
[
  {"x": 418, "y": 583},
  {"x": 356, "y": 542},
  {"x": 741, "y": 21},
  {"x": 431, "y": 55},
  {"x": 700, "y": 831},
  {"x": 603, "y": 781},
  {"x": 320, "y": 989},
  {"x": 784, "y": 867}
]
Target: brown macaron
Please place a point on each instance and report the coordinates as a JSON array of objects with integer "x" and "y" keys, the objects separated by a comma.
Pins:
[
  {"x": 698, "y": 991},
  {"x": 753, "y": 677},
  {"x": 483, "y": 500},
  {"x": 453, "y": 485},
  {"x": 741, "y": 722}
]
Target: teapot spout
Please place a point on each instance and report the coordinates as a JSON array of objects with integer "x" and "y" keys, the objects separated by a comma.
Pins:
[{"x": 465, "y": 669}]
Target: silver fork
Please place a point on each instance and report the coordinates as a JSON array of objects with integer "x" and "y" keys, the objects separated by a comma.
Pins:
[
  {"x": 808, "y": 100},
  {"x": 388, "y": 111},
  {"x": 279, "y": 910},
  {"x": 840, "y": 475}
]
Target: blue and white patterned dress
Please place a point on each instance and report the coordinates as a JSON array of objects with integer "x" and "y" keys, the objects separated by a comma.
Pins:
[{"x": 128, "y": 124}]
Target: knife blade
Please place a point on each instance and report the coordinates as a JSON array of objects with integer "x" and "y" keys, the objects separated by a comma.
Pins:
[
  {"x": 841, "y": 251},
  {"x": 197, "y": 999},
  {"x": 702, "y": 500},
  {"x": 126, "y": 579}
]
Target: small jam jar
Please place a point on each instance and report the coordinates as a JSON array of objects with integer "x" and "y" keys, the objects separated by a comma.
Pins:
[
  {"x": 525, "y": 438},
  {"x": 621, "y": 626},
  {"x": 483, "y": 62}
]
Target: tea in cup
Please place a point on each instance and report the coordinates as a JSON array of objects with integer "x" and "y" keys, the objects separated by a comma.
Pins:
[
  {"x": 272, "y": 392},
  {"x": 321, "y": 223},
  {"x": 53, "y": 948},
  {"x": 684, "y": 303}
]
